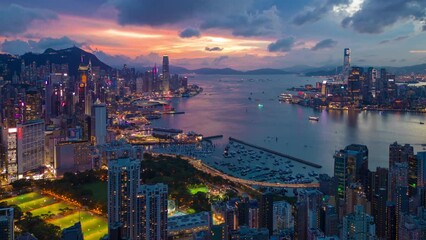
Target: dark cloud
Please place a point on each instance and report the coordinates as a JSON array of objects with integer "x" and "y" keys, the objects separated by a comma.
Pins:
[
  {"x": 400, "y": 38},
  {"x": 16, "y": 19},
  {"x": 213, "y": 49},
  {"x": 189, "y": 32},
  {"x": 20, "y": 47},
  {"x": 376, "y": 15},
  {"x": 326, "y": 43},
  {"x": 316, "y": 13},
  {"x": 242, "y": 18},
  {"x": 218, "y": 60},
  {"x": 282, "y": 45},
  {"x": 384, "y": 42}
]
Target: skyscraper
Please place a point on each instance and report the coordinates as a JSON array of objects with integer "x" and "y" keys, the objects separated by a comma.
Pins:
[
  {"x": 282, "y": 216},
  {"x": 166, "y": 74},
  {"x": 421, "y": 169},
  {"x": 72, "y": 233},
  {"x": 98, "y": 123},
  {"x": 6, "y": 224},
  {"x": 346, "y": 64},
  {"x": 266, "y": 212},
  {"x": 308, "y": 208},
  {"x": 123, "y": 184},
  {"x": 152, "y": 204},
  {"x": 30, "y": 145},
  {"x": 358, "y": 225}
]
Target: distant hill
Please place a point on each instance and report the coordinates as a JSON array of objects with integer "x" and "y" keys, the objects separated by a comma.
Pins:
[{"x": 72, "y": 56}]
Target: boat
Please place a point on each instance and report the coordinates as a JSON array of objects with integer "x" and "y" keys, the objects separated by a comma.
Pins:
[
  {"x": 422, "y": 123},
  {"x": 314, "y": 118},
  {"x": 284, "y": 97}
]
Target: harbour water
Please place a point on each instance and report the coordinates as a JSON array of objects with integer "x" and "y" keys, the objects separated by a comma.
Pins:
[{"x": 247, "y": 108}]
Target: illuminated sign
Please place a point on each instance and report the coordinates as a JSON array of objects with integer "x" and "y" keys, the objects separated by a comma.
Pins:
[{"x": 12, "y": 130}]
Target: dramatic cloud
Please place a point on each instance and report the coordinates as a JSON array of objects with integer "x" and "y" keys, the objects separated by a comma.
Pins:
[
  {"x": 282, "y": 45},
  {"x": 15, "y": 19},
  {"x": 189, "y": 33},
  {"x": 242, "y": 18},
  {"x": 314, "y": 14},
  {"x": 148, "y": 60},
  {"x": 327, "y": 43},
  {"x": 20, "y": 47},
  {"x": 213, "y": 49},
  {"x": 375, "y": 15}
]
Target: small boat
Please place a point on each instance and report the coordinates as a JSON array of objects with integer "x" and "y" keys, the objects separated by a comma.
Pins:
[
  {"x": 422, "y": 123},
  {"x": 314, "y": 118}
]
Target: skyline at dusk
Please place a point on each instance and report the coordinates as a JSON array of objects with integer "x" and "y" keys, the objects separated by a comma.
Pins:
[{"x": 243, "y": 35}]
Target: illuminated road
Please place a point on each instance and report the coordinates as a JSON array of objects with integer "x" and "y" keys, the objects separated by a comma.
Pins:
[{"x": 199, "y": 165}]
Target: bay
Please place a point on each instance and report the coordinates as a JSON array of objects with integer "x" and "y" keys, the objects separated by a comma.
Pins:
[{"x": 224, "y": 108}]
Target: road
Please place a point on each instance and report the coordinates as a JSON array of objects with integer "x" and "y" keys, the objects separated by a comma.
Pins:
[{"x": 198, "y": 164}]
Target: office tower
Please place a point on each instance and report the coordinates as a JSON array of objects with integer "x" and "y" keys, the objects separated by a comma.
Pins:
[
  {"x": 152, "y": 204},
  {"x": 231, "y": 218},
  {"x": 351, "y": 166},
  {"x": 377, "y": 180},
  {"x": 308, "y": 207},
  {"x": 266, "y": 212},
  {"x": 399, "y": 153},
  {"x": 329, "y": 220},
  {"x": 243, "y": 210},
  {"x": 166, "y": 74},
  {"x": 32, "y": 105},
  {"x": 9, "y": 146},
  {"x": 346, "y": 64},
  {"x": 282, "y": 216},
  {"x": 398, "y": 177},
  {"x": 412, "y": 175},
  {"x": 73, "y": 233},
  {"x": 421, "y": 169},
  {"x": 6, "y": 224},
  {"x": 123, "y": 184},
  {"x": 139, "y": 85},
  {"x": 379, "y": 202},
  {"x": 148, "y": 80},
  {"x": 355, "y": 86},
  {"x": 390, "y": 221},
  {"x": 30, "y": 145},
  {"x": 372, "y": 78},
  {"x": 358, "y": 225},
  {"x": 98, "y": 123},
  {"x": 253, "y": 214},
  {"x": 72, "y": 156}
]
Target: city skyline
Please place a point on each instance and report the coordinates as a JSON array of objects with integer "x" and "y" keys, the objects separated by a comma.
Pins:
[{"x": 242, "y": 35}]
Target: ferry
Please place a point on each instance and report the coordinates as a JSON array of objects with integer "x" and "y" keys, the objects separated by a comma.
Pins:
[
  {"x": 285, "y": 97},
  {"x": 314, "y": 118}
]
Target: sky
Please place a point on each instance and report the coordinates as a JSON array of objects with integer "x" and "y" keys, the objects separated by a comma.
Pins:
[{"x": 241, "y": 34}]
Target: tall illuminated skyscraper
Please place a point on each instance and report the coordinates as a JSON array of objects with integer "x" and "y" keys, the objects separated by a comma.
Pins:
[
  {"x": 346, "y": 64},
  {"x": 123, "y": 184},
  {"x": 166, "y": 74},
  {"x": 98, "y": 123}
]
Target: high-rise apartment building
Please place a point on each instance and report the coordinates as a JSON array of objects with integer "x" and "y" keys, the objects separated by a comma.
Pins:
[
  {"x": 358, "y": 225},
  {"x": 6, "y": 224}
]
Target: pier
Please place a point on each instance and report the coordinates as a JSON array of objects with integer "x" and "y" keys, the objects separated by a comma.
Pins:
[
  {"x": 276, "y": 153},
  {"x": 212, "y": 137}
]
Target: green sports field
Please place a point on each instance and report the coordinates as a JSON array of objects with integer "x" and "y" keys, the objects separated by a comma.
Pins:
[
  {"x": 62, "y": 214},
  {"x": 198, "y": 188}
]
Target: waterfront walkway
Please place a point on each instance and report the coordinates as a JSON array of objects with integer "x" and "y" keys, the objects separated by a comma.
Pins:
[{"x": 276, "y": 153}]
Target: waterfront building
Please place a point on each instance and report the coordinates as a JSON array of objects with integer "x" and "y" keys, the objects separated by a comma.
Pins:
[
  {"x": 117, "y": 149},
  {"x": 98, "y": 123},
  {"x": 355, "y": 86},
  {"x": 6, "y": 224},
  {"x": 282, "y": 216},
  {"x": 73, "y": 233},
  {"x": 184, "y": 227},
  {"x": 123, "y": 184},
  {"x": 166, "y": 74},
  {"x": 152, "y": 207},
  {"x": 346, "y": 64},
  {"x": 358, "y": 225}
]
